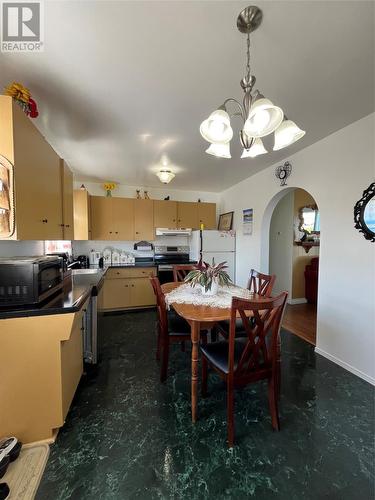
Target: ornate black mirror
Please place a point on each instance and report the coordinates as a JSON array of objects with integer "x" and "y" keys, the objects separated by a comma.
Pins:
[{"x": 364, "y": 213}]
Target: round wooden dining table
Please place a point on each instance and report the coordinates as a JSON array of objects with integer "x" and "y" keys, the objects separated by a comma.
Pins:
[{"x": 199, "y": 318}]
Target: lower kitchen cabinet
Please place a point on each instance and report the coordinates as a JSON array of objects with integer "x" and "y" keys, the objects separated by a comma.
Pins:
[
  {"x": 45, "y": 353},
  {"x": 126, "y": 288},
  {"x": 116, "y": 294}
]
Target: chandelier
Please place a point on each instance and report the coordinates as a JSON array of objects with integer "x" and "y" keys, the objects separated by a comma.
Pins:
[{"x": 259, "y": 115}]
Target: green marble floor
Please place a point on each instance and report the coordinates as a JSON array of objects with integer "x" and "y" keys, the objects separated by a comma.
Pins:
[{"x": 129, "y": 437}]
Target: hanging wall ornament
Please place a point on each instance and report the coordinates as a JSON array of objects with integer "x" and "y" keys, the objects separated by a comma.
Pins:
[{"x": 282, "y": 172}]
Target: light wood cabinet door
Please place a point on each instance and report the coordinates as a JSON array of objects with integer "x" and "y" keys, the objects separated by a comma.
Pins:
[
  {"x": 67, "y": 201},
  {"x": 116, "y": 294},
  {"x": 81, "y": 210},
  {"x": 101, "y": 218},
  {"x": 165, "y": 213},
  {"x": 37, "y": 182},
  {"x": 71, "y": 363},
  {"x": 141, "y": 292},
  {"x": 207, "y": 215},
  {"x": 187, "y": 214},
  {"x": 144, "y": 220},
  {"x": 123, "y": 218}
]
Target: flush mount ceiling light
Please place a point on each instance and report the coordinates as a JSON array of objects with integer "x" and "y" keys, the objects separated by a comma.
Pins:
[
  {"x": 165, "y": 176},
  {"x": 260, "y": 116}
]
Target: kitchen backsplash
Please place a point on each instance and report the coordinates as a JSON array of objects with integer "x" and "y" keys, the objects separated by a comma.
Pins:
[
  {"x": 84, "y": 247},
  {"x": 21, "y": 248}
]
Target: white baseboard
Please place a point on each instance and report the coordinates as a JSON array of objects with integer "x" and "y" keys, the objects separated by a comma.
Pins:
[
  {"x": 297, "y": 301},
  {"x": 345, "y": 365}
]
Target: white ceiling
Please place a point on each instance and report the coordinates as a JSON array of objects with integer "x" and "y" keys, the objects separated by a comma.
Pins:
[{"x": 122, "y": 82}]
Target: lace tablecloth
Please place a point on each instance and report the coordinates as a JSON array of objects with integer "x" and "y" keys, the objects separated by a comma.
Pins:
[{"x": 186, "y": 294}]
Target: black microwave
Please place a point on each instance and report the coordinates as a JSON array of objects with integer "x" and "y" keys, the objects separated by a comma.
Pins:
[{"x": 29, "y": 280}]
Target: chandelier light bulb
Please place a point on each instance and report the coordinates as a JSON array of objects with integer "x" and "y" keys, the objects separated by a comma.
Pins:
[
  {"x": 287, "y": 133},
  {"x": 165, "y": 176},
  {"x": 256, "y": 149},
  {"x": 219, "y": 150},
  {"x": 217, "y": 129}
]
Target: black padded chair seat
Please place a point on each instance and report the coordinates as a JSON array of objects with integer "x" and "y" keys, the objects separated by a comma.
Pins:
[
  {"x": 217, "y": 353},
  {"x": 240, "y": 332},
  {"x": 177, "y": 325}
]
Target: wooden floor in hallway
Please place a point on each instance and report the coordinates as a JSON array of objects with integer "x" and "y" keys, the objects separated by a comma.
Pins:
[{"x": 300, "y": 319}]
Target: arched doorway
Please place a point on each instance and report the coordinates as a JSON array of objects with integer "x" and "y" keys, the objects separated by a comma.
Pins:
[{"x": 293, "y": 221}]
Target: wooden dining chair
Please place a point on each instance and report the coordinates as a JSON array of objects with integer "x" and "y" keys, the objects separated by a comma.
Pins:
[
  {"x": 171, "y": 329},
  {"x": 180, "y": 271},
  {"x": 240, "y": 361},
  {"x": 259, "y": 283}
]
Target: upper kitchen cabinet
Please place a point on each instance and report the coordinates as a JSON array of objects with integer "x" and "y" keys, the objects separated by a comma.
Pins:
[
  {"x": 67, "y": 201},
  {"x": 101, "y": 218},
  {"x": 165, "y": 213},
  {"x": 123, "y": 218},
  {"x": 82, "y": 214},
  {"x": 112, "y": 218},
  {"x": 207, "y": 215},
  {"x": 36, "y": 204},
  {"x": 187, "y": 214},
  {"x": 144, "y": 220}
]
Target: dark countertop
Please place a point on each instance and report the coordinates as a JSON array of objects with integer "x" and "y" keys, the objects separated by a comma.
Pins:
[{"x": 82, "y": 284}]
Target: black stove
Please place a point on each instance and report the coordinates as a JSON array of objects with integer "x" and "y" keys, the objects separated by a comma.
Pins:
[{"x": 166, "y": 256}]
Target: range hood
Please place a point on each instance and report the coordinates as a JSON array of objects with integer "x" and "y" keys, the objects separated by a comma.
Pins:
[{"x": 164, "y": 231}]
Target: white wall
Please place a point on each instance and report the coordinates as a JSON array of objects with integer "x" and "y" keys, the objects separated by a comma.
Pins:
[
  {"x": 335, "y": 171},
  {"x": 281, "y": 244}
]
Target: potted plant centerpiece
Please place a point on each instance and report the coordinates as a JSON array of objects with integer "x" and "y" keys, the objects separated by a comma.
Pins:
[{"x": 209, "y": 276}]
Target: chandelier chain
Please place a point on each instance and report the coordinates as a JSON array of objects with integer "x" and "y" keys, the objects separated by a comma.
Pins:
[{"x": 247, "y": 76}]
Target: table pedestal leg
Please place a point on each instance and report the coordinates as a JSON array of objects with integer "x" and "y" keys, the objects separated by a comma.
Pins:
[{"x": 195, "y": 330}]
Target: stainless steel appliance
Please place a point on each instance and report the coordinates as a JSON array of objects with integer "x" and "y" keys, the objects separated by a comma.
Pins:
[
  {"x": 29, "y": 280},
  {"x": 165, "y": 231},
  {"x": 90, "y": 331},
  {"x": 166, "y": 256}
]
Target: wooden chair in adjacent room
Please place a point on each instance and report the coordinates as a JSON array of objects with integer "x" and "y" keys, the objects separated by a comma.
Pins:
[
  {"x": 180, "y": 271},
  {"x": 240, "y": 361},
  {"x": 171, "y": 329},
  {"x": 259, "y": 283}
]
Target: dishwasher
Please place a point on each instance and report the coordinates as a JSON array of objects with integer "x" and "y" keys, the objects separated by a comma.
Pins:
[{"x": 90, "y": 331}]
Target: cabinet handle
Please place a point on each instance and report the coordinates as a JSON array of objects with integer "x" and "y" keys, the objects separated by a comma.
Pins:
[
  {"x": 44, "y": 221},
  {"x": 116, "y": 232},
  {"x": 117, "y": 272},
  {"x": 136, "y": 232},
  {"x": 132, "y": 286},
  {"x": 67, "y": 225},
  {"x": 126, "y": 286},
  {"x": 110, "y": 232}
]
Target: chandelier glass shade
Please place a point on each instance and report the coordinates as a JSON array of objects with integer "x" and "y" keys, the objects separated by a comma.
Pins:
[
  {"x": 165, "y": 176},
  {"x": 256, "y": 149},
  {"x": 217, "y": 129},
  {"x": 287, "y": 134},
  {"x": 220, "y": 150},
  {"x": 259, "y": 115}
]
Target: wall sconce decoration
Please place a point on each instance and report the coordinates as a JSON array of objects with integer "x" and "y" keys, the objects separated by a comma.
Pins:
[{"x": 283, "y": 172}]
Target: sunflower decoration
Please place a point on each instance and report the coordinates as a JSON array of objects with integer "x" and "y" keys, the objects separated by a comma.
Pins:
[
  {"x": 109, "y": 187},
  {"x": 23, "y": 97}
]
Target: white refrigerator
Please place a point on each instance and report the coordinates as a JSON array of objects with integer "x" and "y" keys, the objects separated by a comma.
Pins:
[{"x": 218, "y": 245}]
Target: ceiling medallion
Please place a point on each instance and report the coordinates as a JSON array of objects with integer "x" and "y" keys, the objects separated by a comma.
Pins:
[{"x": 260, "y": 116}]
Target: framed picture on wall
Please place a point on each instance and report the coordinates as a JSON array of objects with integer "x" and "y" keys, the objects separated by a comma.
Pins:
[{"x": 225, "y": 221}]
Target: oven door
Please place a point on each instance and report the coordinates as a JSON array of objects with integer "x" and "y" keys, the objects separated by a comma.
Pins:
[{"x": 165, "y": 273}]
